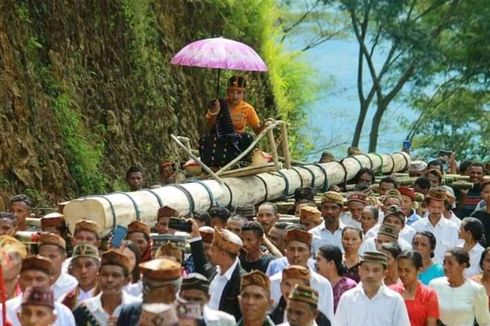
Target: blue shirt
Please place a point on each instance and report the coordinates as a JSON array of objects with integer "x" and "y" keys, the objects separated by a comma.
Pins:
[
  {"x": 431, "y": 273},
  {"x": 413, "y": 218},
  {"x": 278, "y": 264}
]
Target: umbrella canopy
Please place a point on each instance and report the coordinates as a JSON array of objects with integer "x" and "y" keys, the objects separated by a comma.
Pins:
[{"x": 219, "y": 53}]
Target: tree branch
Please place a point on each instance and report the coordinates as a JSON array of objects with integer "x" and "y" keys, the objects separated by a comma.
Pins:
[{"x": 286, "y": 30}]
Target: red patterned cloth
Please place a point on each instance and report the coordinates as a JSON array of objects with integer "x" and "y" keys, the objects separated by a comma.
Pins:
[
  {"x": 424, "y": 305},
  {"x": 338, "y": 289}
]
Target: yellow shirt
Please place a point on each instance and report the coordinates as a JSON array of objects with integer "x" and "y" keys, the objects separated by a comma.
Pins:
[{"x": 242, "y": 114}]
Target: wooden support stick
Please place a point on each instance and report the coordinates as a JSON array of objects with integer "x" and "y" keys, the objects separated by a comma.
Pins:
[
  {"x": 195, "y": 158},
  {"x": 249, "y": 148},
  {"x": 285, "y": 145},
  {"x": 272, "y": 143}
]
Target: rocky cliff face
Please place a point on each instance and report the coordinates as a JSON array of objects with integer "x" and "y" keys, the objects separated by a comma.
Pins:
[{"x": 87, "y": 90}]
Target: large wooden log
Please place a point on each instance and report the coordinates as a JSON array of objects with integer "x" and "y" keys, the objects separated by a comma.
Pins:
[{"x": 123, "y": 208}]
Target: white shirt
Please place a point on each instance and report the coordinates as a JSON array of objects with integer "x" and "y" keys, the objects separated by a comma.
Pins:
[
  {"x": 65, "y": 283},
  {"x": 347, "y": 220},
  {"x": 445, "y": 232},
  {"x": 82, "y": 295},
  {"x": 386, "y": 308},
  {"x": 407, "y": 233},
  {"x": 322, "y": 236},
  {"x": 461, "y": 305},
  {"x": 313, "y": 323},
  {"x": 65, "y": 266},
  {"x": 317, "y": 282},
  {"x": 217, "y": 318},
  {"x": 370, "y": 245},
  {"x": 94, "y": 305},
  {"x": 454, "y": 218},
  {"x": 475, "y": 256},
  {"x": 218, "y": 284},
  {"x": 64, "y": 317},
  {"x": 135, "y": 289},
  {"x": 278, "y": 264}
]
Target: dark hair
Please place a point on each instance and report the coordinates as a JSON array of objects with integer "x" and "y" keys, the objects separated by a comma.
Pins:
[
  {"x": 389, "y": 180},
  {"x": 238, "y": 80},
  {"x": 9, "y": 216},
  {"x": 202, "y": 217},
  {"x": 299, "y": 227},
  {"x": 133, "y": 169},
  {"x": 462, "y": 257},
  {"x": 135, "y": 274},
  {"x": 476, "y": 228},
  {"x": 238, "y": 218},
  {"x": 422, "y": 182},
  {"x": 463, "y": 166},
  {"x": 435, "y": 173},
  {"x": 413, "y": 256},
  {"x": 304, "y": 193},
  {"x": 255, "y": 227},
  {"x": 482, "y": 257},
  {"x": 271, "y": 204},
  {"x": 21, "y": 198},
  {"x": 361, "y": 172},
  {"x": 374, "y": 210},
  {"x": 393, "y": 248},
  {"x": 220, "y": 212},
  {"x": 477, "y": 164},
  {"x": 333, "y": 253},
  {"x": 361, "y": 187},
  {"x": 432, "y": 240},
  {"x": 346, "y": 228},
  {"x": 437, "y": 163},
  {"x": 281, "y": 225}
]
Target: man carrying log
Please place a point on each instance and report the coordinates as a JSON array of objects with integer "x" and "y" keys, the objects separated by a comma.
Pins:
[
  {"x": 468, "y": 199},
  {"x": 20, "y": 206},
  {"x": 134, "y": 178}
]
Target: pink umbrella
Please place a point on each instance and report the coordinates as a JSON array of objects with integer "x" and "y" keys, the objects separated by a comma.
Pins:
[{"x": 219, "y": 53}]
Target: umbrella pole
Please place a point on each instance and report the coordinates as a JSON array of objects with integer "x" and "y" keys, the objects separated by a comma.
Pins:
[{"x": 217, "y": 85}]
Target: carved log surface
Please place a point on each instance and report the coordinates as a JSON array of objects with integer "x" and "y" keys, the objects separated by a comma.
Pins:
[{"x": 123, "y": 208}]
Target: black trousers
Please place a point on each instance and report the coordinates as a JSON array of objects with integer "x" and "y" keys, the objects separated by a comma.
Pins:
[{"x": 218, "y": 151}]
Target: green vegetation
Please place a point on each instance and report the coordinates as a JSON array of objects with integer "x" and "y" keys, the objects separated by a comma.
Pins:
[
  {"x": 82, "y": 154},
  {"x": 92, "y": 90},
  {"x": 434, "y": 55}
]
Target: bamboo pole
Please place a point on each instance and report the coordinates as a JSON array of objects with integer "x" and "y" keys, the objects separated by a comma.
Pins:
[
  {"x": 285, "y": 146},
  {"x": 272, "y": 143}
]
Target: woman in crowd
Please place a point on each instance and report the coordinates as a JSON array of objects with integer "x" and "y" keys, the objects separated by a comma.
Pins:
[
  {"x": 471, "y": 231},
  {"x": 484, "y": 277},
  {"x": 131, "y": 250},
  {"x": 351, "y": 241},
  {"x": 421, "y": 301},
  {"x": 329, "y": 265},
  {"x": 391, "y": 250},
  {"x": 369, "y": 218},
  {"x": 425, "y": 243},
  {"x": 461, "y": 301}
]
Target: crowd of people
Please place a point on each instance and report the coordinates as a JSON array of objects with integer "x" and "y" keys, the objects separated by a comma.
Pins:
[{"x": 378, "y": 254}]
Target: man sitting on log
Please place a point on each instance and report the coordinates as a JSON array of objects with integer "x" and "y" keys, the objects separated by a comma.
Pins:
[{"x": 227, "y": 120}]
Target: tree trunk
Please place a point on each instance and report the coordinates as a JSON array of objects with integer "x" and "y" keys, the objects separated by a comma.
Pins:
[
  {"x": 123, "y": 208},
  {"x": 359, "y": 125},
  {"x": 373, "y": 136}
]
